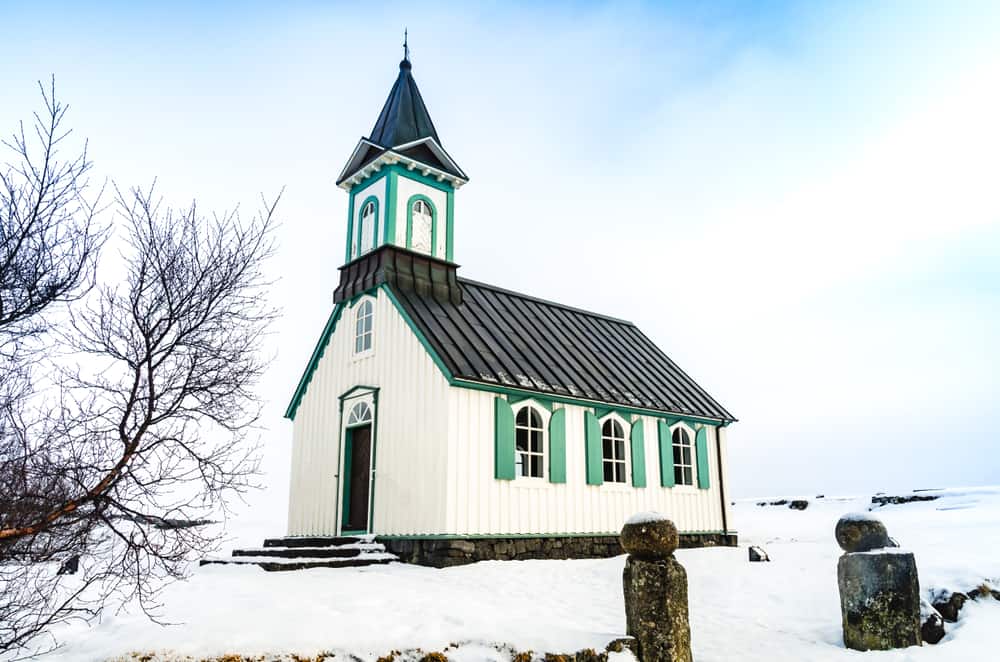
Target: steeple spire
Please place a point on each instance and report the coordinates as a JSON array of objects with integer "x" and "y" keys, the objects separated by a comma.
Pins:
[{"x": 406, "y": 47}]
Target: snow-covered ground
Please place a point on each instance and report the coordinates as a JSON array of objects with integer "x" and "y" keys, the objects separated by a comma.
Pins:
[{"x": 784, "y": 610}]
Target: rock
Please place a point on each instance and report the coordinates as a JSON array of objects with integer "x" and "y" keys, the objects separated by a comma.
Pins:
[
  {"x": 70, "y": 566},
  {"x": 798, "y": 504},
  {"x": 757, "y": 554},
  {"x": 884, "y": 500},
  {"x": 879, "y": 600},
  {"x": 656, "y": 609},
  {"x": 861, "y": 532},
  {"x": 932, "y": 630},
  {"x": 622, "y": 644},
  {"x": 820, "y": 496},
  {"x": 949, "y": 605},
  {"x": 649, "y": 538}
]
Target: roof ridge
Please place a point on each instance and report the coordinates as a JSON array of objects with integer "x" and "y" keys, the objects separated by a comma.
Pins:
[{"x": 547, "y": 302}]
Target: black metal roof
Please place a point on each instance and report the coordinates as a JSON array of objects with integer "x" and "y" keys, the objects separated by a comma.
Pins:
[
  {"x": 503, "y": 338},
  {"x": 404, "y": 118}
]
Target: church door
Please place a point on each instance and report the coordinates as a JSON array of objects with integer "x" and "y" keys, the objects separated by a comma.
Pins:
[{"x": 357, "y": 467}]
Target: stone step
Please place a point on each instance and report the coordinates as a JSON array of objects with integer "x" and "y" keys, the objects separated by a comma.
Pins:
[
  {"x": 314, "y": 541},
  {"x": 346, "y": 551},
  {"x": 278, "y": 564}
]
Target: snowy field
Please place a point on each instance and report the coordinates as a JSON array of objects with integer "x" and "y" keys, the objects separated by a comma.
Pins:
[{"x": 784, "y": 610}]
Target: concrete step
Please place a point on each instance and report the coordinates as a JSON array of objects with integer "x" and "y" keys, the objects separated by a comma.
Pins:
[
  {"x": 345, "y": 551},
  {"x": 314, "y": 541},
  {"x": 278, "y": 564}
]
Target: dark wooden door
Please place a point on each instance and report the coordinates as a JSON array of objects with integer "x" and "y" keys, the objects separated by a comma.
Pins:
[{"x": 359, "y": 473}]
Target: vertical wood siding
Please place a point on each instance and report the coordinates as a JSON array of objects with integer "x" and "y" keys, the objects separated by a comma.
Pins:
[
  {"x": 480, "y": 504},
  {"x": 410, "y": 442}
]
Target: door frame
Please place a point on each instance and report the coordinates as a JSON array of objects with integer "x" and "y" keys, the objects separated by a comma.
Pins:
[{"x": 348, "y": 400}]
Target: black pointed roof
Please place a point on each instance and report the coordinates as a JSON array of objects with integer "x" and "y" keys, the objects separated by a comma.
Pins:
[{"x": 404, "y": 118}]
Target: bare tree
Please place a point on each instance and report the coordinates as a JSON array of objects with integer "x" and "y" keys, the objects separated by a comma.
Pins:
[{"x": 145, "y": 427}]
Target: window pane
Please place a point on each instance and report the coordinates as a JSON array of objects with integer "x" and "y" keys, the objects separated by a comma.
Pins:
[
  {"x": 536, "y": 441},
  {"x": 687, "y": 476},
  {"x": 522, "y": 417},
  {"x": 609, "y": 472},
  {"x": 676, "y": 436},
  {"x": 357, "y": 344},
  {"x": 519, "y": 465},
  {"x": 620, "y": 472},
  {"x": 617, "y": 427},
  {"x": 606, "y": 429},
  {"x": 687, "y": 455},
  {"x": 607, "y": 449},
  {"x": 619, "y": 449},
  {"x": 536, "y": 420},
  {"x": 522, "y": 439},
  {"x": 536, "y": 466},
  {"x": 677, "y": 454},
  {"x": 679, "y": 475},
  {"x": 368, "y": 323}
]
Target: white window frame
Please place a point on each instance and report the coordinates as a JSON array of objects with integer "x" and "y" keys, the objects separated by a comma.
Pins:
[
  {"x": 369, "y": 409},
  {"x": 673, "y": 463},
  {"x": 370, "y": 245},
  {"x": 360, "y": 333},
  {"x": 544, "y": 414},
  {"x": 626, "y": 451}
]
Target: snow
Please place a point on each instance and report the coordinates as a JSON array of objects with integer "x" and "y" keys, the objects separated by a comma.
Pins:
[
  {"x": 780, "y": 611},
  {"x": 860, "y": 517},
  {"x": 646, "y": 518}
]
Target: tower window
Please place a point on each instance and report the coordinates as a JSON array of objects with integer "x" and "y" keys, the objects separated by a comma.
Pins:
[
  {"x": 529, "y": 437},
  {"x": 613, "y": 440},
  {"x": 364, "y": 316},
  {"x": 367, "y": 227},
  {"x": 682, "y": 457},
  {"x": 420, "y": 228}
]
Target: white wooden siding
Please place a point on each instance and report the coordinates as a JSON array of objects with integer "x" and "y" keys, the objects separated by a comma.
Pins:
[
  {"x": 410, "y": 440},
  {"x": 480, "y": 504}
]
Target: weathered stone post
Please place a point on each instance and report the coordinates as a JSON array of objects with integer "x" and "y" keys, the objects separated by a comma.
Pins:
[
  {"x": 656, "y": 598},
  {"x": 879, "y": 588}
]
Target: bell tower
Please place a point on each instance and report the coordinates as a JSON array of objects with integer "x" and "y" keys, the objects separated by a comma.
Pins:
[{"x": 400, "y": 180}]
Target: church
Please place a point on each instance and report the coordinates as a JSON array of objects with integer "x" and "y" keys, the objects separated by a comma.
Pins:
[{"x": 456, "y": 420}]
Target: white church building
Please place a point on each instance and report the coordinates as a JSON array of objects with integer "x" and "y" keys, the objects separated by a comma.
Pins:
[{"x": 457, "y": 420}]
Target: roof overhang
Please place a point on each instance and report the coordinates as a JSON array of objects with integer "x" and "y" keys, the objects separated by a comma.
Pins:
[{"x": 390, "y": 157}]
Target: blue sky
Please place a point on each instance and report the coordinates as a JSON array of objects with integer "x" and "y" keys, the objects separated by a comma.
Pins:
[{"x": 797, "y": 201}]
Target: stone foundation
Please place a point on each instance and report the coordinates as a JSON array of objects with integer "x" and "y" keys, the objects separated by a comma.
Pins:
[{"x": 443, "y": 552}]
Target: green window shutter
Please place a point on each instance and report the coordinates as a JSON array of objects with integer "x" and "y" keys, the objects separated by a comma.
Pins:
[
  {"x": 701, "y": 450},
  {"x": 666, "y": 455},
  {"x": 638, "y": 455},
  {"x": 504, "y": 439},
  {"x": 557, "y": 446},
  {"x": 595, "y": 459}
]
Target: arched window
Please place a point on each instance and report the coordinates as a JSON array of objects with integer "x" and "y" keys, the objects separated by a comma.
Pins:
[
  {"x": 421, "y": 227},
  {"x": 683, "y": 474},
  {"x": 361, "y": 413},
  {"x": 529, "y": 437},
  {"x": 364, "y": 316},
  {"x": 613, "y": 440},
  {"x": 367, "y": 227}
]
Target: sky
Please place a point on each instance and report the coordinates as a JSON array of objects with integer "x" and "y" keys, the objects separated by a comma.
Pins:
[{"x": 799, "y": 202}]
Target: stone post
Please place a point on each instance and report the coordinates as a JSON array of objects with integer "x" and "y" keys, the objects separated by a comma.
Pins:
[
  {"x": 656, "y": 599},
  {"x": 879, "y": 588}
]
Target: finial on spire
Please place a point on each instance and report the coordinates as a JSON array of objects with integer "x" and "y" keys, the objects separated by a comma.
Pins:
[{"x": 406, "y": 46}]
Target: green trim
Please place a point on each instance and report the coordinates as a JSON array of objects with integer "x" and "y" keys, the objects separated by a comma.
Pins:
[
  {"x": 420, "y": 177},
  {"x": 449, "y": 228},
  {"x": 416, "y": 331},
  {"x": 390, "y": 207},
  {"x": 504, "y": 449},
  {"x": 364, "y": 203},
  {"x": 557, "y": 446},
  {"x": 666, "y": 454},
  {"x": 701, "y": 457},
  {"x": 371, "y": 468},
  {"x": 409, "y": 221},
  {"x": 360, "y": 387},
  {"x": 638, "y": 443},
  {"x": 594, "y": 453},
  {"x": 570, "y": 400},
  {"x": 317, "y": 354},
  {"x": 522, "y": 536},
  {"x": 358, "y": 532},
  {"x": 542, "y": 402},
  {"x": 350, "y": 227}
]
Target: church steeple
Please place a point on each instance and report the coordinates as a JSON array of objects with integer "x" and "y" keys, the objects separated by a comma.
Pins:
[{"x": 401, "y": 180}]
